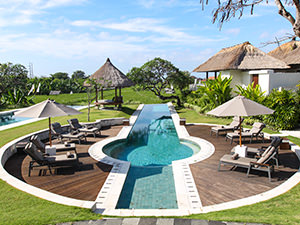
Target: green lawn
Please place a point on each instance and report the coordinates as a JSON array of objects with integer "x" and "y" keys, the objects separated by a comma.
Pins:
[
  {"x": 130, "y": 96},
  {"x": 18, "y": 207}
]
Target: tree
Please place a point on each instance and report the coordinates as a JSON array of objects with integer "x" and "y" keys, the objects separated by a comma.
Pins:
[
  {"x": 232, "y": 8},
  {"x": 12, "y": 76},
  {"x": 158, "y": 74},
  {"x": 78, "y": 74},
  {"x": 60, "y": 76}
]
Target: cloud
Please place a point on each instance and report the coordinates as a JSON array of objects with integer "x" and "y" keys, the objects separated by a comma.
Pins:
[
  {"x": 57, "y": 3},
  {"x": 158, "y": 4},
  {"x": 146, "y": 3},
  {"x": 22, "y": 12},
  {"x": 232, "y": 31},
  {"x": 264, "y": 35},
  {"x": 153, "y": 30}
]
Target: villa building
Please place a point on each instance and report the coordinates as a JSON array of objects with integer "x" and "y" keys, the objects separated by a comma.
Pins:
[{"x": 246, "y": 64}]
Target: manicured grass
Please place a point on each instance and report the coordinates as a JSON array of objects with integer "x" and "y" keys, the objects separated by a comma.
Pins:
[
  {"x": 130, "y": 96},
  {"x": 18, "y": 207},
  {"x": 193, "y": 117}
]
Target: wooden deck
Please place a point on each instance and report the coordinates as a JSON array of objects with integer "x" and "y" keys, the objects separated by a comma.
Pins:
[
  {"x": 216, "y": 187},
  {"x": 85, "y": 181}
]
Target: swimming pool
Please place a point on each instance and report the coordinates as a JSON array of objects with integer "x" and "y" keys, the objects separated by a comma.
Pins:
[
  {"x": 14, "y": 119},
  {"x": 150, "y": 147},
  {"x": 152, "y": 141}
]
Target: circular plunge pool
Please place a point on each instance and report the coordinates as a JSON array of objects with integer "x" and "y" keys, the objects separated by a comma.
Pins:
[{"x": 154, "y": 153}]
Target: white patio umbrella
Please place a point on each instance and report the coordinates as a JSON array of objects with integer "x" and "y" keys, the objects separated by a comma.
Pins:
[
  {"x": 47, "y": 108},
  {"x": 240, "y": 106}
]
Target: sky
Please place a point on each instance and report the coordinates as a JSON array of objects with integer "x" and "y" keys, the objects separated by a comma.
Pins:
[{"x": 69, "y": 35}]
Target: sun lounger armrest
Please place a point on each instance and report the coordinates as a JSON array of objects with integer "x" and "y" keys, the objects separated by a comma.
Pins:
[{"x": 260, "y": 164}]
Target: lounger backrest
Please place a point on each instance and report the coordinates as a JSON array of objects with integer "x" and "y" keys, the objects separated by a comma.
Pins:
[
  {"x": 276, "y": 142},
  {"x": 31, "y": 150},
  {"x": 74, "y": 124},
  {"x": 236, "y": 122},
  {"x": 266, "y": 151},
  {"x": 257, "y": 128},
  {"x": 38, "y": 143},
  {"x": 56, "y": 128},
  {"x": 266, "y": 157}
]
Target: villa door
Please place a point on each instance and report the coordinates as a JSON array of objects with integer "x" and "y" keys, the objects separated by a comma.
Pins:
[{"x": 255, "y": 79}]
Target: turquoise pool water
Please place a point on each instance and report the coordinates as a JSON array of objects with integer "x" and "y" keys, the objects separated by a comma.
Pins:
[
  {"x": 152, "y": 141},
  {"x": 148, "y": 188},
  {"x": 151, "y": 146},
  {"x": 13, "y": 120}
]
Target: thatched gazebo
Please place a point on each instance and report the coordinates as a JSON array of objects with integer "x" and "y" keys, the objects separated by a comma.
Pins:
[
  {"x": 288, "y": 52},
  {"x": 109, "y": 76},
  {"x": 240, "y": 57}
]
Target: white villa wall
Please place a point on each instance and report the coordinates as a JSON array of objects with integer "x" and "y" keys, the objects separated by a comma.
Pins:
[
  {"x": 263, "y": 79},
  {"x": 238, "y": 77},
  {"x": 284, "y": 80},
  {"x": 268, "y": 79}
]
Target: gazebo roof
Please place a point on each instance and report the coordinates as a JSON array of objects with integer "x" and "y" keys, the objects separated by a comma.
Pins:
[
  {"x": 240, "y": 57},
  {"x": 110, "y": 76},
  {"x": 288, "y": 52}
]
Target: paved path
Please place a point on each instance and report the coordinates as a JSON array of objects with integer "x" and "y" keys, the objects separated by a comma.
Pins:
[
  {"x": 295, "y": 133},
  {"x": 153, "y": 221}
]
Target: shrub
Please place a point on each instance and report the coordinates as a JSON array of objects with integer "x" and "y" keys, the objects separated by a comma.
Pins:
[
  {"x": 286, "y": 106},
  {"x": 251, "y": 92},
  {"x": 212, "y": 94}
]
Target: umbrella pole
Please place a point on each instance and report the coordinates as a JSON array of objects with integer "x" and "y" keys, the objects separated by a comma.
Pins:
[
  {"x": 50, "y": 141},
  {"x": 240, "y": 131}
]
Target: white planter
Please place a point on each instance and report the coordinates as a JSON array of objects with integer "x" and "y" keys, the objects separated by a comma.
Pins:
[
  {"x": 241, "y": 150},
  {"x": 50, "y": 150}
]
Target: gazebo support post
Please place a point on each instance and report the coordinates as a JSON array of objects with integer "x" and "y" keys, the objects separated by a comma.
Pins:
[
  {"x": 120, "y": 97},
  {"x": 215, "y": 75},
  {"x": 206, "y": 75},
  {"x": 101, "y": 93},
  {"x": 96, "y": 93}
]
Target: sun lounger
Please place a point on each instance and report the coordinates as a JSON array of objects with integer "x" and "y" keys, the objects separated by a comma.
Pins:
[
  {"x": 38, "y": 159},
  {"x": 57, "y": 130},
  {"x": 260, "y": 152},
  {"x": 59, "y": 147},
  {"x": 235, "y": 124},
  {"x": 256, "y": 131},
  {"x": 264, "y": 163},
  {"x": 87, "y": 129}
]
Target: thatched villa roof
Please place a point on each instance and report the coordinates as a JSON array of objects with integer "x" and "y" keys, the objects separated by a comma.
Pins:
[
  {"x": 240, "y": 57},
  {"x": 288, "y": 52},
  {"x": 110, "y": 76}
]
